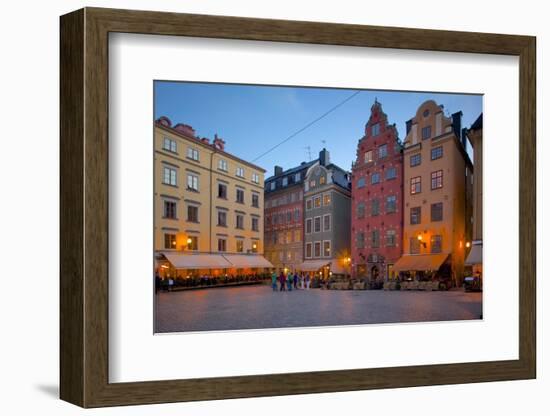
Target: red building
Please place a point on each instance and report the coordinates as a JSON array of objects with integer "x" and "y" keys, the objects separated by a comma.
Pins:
[{"x": 377, "y": 200}]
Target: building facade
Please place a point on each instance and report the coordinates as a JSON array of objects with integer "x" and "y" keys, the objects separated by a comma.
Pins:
[
  {"x": 437, "y": 197},
  {"x": 377, "y": 200},
  {"x": 327, "y": 219},
  {"x": 284, "y": 214},
  {"x": 475, "y": 257},
  {"x": 208, "y": 205}
]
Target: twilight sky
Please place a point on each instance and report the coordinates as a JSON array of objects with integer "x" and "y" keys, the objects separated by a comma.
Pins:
[{"x": 253, "y": 119}]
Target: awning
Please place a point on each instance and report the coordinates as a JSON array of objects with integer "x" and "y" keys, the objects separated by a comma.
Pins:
[
  {"x": 420, "y": 262},
  {"x": 312, "y": 265},
  {"x": 243, "y": 261},
  {"x": 337, "y": 268},
  {"x": 476, "y": 255},
  {"x": 197, "y": 261}
]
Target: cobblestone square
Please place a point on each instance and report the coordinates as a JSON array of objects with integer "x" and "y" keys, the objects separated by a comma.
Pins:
[{"x": 257, "y": 307}]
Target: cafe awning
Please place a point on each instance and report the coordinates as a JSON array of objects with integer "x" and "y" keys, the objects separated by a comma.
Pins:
[
  {"x": 243, "y": 261},
  {"x": 420, "y": 262},
  {"x": 313, "y": 265},
  {"x": 197, "y": 261},
  {"x": 475, "y": 256}
]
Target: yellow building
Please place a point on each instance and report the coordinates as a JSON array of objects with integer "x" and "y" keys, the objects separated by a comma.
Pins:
[
  {"x": 208, "y": 206},
  {"x": 437, "y": 197}
]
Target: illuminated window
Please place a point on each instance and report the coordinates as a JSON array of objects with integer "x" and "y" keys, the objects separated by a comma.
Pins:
[
  {"x": 437, "y": 179},
  {"x": 170, "y": 241},
  {"x": 192, "y": 243},
  {"x": 317, "y": 202},
  {"x": 309, "y": 204},
  {"x": 240, "y": 246},
  {"x": 416, "y": 185},
  {"x": 326, "y": 248},
  {"x": 368, "y": 157},
  {"x": 322, "y": 180},
  {"x": 326, "y": 200}
]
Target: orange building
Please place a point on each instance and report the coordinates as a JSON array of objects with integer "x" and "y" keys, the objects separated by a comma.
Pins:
[{"x": 437, "y": 197}]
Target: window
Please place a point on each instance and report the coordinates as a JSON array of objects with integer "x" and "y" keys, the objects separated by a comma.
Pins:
[
  {"x": 222, "y": 244},
  {"x": 222, "y": 191},
  {"x": 170, "y": 209},
  {"x": 297, "y": 236},
  {"x": 288, "y": 237},
  {"x": 375, "y": 207},
  {"x": 390, "y": 238},
  {"x": 426, "y": 113},
  {"x": 317, "y": 247},
  {"x": 415, "y": 215},
  {"x": 375, "y": 129},
  {"x": 360, "y": 240},
  {"x": 240, "y": 246},
  {"x": 169, "y": 176},
  {"x": 317, "y": 202},
  {"x": 239, "y": 221},
  {"x": 436, "y": 242},
  {"x": 255, "y": 200},
  {"x": 375, "y": 238},
  {"x": 308, "y": 250},
  {"x": 391, "y": 173},
  {"x": 368, "y": 157},
  {"x": 308, "y": 225},
  {"x": 383, "y": 151},
  {"x": 361, "y": 183},
  {"x": 326, "y": 222},
  {"x": 312, "y": 184},
  {"x": 222, "y": 165},
  {"x": 326, "y": 200},
  {"x": 192, "y": 182},
  {"x": 437, "y": 211},
  {"x": 289, "y": 216},
  {"x": 361, "y": 210},
  {"x": 170, "y": 241},
  {"x": 391, "y": 204},
  {"x": 169, "y": 145},
  {"x": 297, "y": 177},
  {"x": 192, "y": 153},
  {"x": 192, "y": 242},
  {"x": 437, "y": 179},
  {"x": 415, "y": 160},
  {"x": 255, "y": 178},
  {"x": 326, "y": 248},
  {"x": 192, "y": 213},
  {"x": 255, "y": 224},
  {"x": 285, "y": 181},
  {"x": 317, "y": 224},
  {"x": 309, "y": 204},
  {"x": 296, "y": 214},
  {"x": 240, "y": 196},
  {"x": 414, "y": 245},
  {"x": 272, "y": 185},
  {"x": 375, "y": 178},
  {"x": 426, "y": 132},
  {"x": 240, "y": 172},
  {"x": 437, "y": 152},
  {"x": 322, "y": 180},
  {"x": 222, "y": 218},
  {"x": 416, "y": 185}
]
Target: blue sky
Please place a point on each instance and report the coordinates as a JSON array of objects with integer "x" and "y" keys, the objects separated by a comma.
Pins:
[{"x": 252, "y": 119}]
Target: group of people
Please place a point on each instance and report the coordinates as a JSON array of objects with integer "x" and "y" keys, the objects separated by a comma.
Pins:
[{"x": 289, "y": 281}]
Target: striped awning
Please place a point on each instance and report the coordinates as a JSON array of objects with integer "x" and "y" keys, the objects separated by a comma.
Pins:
[
  {"x": 312, "y": 265},
  {"x": 420, "y": 262},
  {"x": 251, "y": 261},
  {"x": 475, "y": 256},
  {"x": 197, "y": 261}
]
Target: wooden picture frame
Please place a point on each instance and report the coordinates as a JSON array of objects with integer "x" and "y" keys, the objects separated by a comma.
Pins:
[{"x": 84, "y": 207}]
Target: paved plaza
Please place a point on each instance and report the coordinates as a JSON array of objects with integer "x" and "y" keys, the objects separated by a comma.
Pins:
[{"x": 255, "y": 307}]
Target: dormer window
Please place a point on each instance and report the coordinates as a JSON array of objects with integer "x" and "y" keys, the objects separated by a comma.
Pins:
[{"x": 375, "y": 129}]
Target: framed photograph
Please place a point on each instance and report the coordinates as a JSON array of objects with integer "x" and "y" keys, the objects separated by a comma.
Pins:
[{"x": 254, "y": 207}]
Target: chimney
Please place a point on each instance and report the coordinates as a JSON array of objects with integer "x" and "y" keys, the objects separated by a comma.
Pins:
[
  {"x": 218, "y": 142},
  {"x": 185, "y": 129},
  {"x": 278, "y": 170},
  {"x": 324, "y": 157},
  {"x": 408, "y": 125},
  {"x": 457, "y": 124}
]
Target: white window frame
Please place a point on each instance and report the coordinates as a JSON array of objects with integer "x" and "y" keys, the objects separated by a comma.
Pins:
[
  {"x": 329, "y": 222},
  {"x": 170, "y": 145},
  {"x": 320, "y": 224},
  {"x": 255, "y": 178},
  {"x": 310, "y": 221},
  {"x": 329, "y": 249},
  {"x": 310, "y": 251},
  {"x": 315, "y": 198},
  {"x": 193, "y": 153},
  {"x": 192, "y": 181},
  {"x": 320, "y": 250},
  {"x": 222, "y": 165},
  {"x": 172, "y": 176},
  {"x": 239, "y": 172},
  {"x": 311, "y": 207}
]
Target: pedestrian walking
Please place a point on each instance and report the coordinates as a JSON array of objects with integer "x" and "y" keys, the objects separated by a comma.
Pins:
[
  {"x": 308, "y": 281},
  {"x": 289, "y": 281},
  {"x": 274, "y": 281},
  {"x": 302, "y": 281},
  {"x": 282, "y": 282},
  {"x": 295, "y": 280}
]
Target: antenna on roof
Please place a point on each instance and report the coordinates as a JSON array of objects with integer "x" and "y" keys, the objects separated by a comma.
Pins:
[{"x": 308, "y": 152}]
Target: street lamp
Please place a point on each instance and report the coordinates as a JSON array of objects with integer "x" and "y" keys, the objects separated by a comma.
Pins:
[{"x": 419, "y": 237}]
